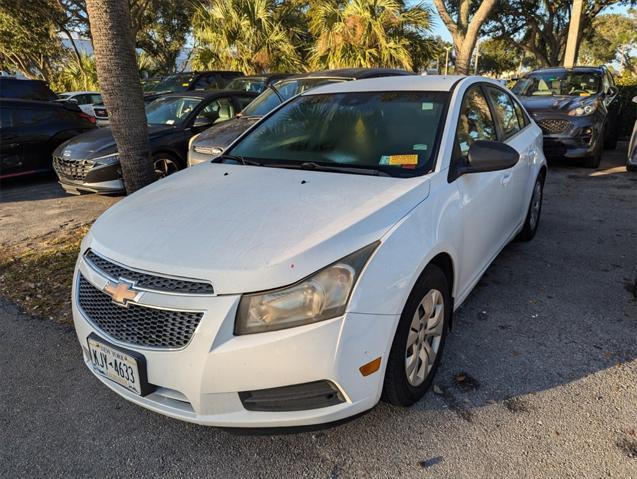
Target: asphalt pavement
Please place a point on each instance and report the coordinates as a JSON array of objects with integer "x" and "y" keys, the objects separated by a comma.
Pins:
[{"x": 539, "y": 377}]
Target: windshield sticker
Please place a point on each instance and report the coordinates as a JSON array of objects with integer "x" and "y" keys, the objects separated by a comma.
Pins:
[
  {"x": 427, "y": 105},
  {"x": 185, "y": 84},
  {"x": 420, "y": 146},
  {"x": 359, "y": 128},
  {"x": 584, "y": 93},
  {"x": 399, "y": 160},
  {"x": 170, "y": 122}
]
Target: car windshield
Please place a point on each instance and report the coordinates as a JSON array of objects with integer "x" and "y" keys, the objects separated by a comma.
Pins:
[
  {"x": 256, "y": 85},
  {"x": 170, "y": 111},
  {"x": 558, "y": 83},
  {"x": 395, "y": 132},
  {"x": 285, "y": 90},
  {"x": 150, "y": 85},
  {"x": 173, "y": 83}
]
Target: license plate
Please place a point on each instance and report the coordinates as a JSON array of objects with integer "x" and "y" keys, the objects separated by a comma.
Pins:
[{"x": 118, "y": 365}]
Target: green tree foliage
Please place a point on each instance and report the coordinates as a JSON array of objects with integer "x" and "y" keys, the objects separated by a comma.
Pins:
[
  {"x": 248, "y": 35},
  {"x": 369, "y": 33},
  {"x": 29, "y": 43},
  {"x": 497, "y": 57},
  {"x": 78, "y": 73},
  {"x": 540, "y": 27},
  {"x": 613, "y": 37}
]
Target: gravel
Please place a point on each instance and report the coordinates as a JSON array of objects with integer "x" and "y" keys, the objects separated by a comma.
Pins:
[{"x": 538, "y": 380}]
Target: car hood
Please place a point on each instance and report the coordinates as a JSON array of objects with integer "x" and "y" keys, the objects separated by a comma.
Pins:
[
  {"x": 248, "y": 228},
  {"x": 223, "y": 134},
  {"x": 100, "y": 142},
  {"x": 553, "y": 104}
]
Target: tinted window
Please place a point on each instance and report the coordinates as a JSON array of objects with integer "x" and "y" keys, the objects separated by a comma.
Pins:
[
  {"x": 247, "y": 84},
  {"x": 505, "y": 113},
  {"x": 170, "y": 111},
  {"x": 522, "y": 117},
  {"x": 206, "y": 82},
  {"x": 174, "y": 83},
  {"x": 475, "y": 122},
  {"x": 562, "y": 83},
  {"x": 394, "y": 131},
  {"x": 26, "y": 89},
  {"x": 95, "y": 98},
  {"x": 244, "y": 101}
]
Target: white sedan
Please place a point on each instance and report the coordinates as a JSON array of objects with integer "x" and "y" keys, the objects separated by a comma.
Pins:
[
  {"x": 314, "y": 267},
  {"x": 84, "y": 99}
]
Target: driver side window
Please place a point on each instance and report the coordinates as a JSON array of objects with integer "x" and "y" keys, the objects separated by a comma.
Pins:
[
  {"x": 216, "y": 111},
  {"x": 474, "y": 123}
]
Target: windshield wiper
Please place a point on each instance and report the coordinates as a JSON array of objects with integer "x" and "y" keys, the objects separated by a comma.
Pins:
[
  {"x": 238, "y": 159},
  {"x": 311, "y": 165}
]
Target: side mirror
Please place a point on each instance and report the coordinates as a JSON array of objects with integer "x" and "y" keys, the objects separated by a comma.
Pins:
[
  {"x": 201, "y": 123},
  {"x": 635, "y": 99},
  {"x": 484, "y": 156}
]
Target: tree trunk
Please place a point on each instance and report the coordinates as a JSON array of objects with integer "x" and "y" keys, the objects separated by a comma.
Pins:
[
  {"x": 118, "y": 77},
  {"x": 463, "y": 59}
]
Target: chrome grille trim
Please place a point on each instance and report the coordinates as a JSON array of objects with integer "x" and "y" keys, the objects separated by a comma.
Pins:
[
  {"x": 135, "y": 324},
  {"x": 146, "y": 281},
  {"x": 72, "y": 169}
]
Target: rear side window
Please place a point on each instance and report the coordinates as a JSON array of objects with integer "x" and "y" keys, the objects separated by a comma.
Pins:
[
  {"x": 244, "y": 101},
  {"x": 523, "y": 119},
  {"x": 206, "y": 82},
  {"x": 26, "y": 89},
  {"x": 505, "y": 113},
  {"x": 474, "y": 123}
]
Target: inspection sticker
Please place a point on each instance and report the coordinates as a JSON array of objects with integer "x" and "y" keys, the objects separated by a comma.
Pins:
[{"x": 399, "y": 160}]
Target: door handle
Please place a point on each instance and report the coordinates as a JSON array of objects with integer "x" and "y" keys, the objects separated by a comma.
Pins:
[{"x": 505, "y": 178}]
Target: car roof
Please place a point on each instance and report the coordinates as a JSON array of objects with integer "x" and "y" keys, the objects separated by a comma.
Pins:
[
  {"x": 205, "y": 94},
  {"x": 403, "y": 83},
  {"x": 265, "y": 76},
  {"x": 358, "y": 73},
  {"x": 583, "y": 69},
  {"x": 81, "y": 92},
  {"x": 31, "y": 103}
]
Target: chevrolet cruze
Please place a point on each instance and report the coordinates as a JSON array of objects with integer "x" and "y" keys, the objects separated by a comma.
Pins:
[{"x": 317, "y": 264}]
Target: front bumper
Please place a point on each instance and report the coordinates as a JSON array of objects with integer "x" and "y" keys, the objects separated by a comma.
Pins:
[
  {"x": 85, "y": 176},
  {"x": 201, "y": 382},
  {"x": 569, "y": 137}
]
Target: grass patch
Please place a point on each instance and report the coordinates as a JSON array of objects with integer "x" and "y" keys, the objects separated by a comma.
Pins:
[{"x": 38, "y": 276}]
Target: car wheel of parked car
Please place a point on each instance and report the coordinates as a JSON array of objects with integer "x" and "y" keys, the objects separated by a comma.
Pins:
[
  {"x": 419, "y": 339},
  {"x": 532, "y": 220},
  {"x": 165, "y": 165}
]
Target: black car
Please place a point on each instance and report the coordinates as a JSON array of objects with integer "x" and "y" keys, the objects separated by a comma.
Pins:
[
  {"x": 31, "y": 130},
  {"x": 89, "y": 163},
  {"x": 577, "y": 109},
  {"x": 256, "y": 83},
  {"x": 191, "y": 81},
  {"x": 26, "y": 89},
  {"x": 214, "y": 140}
]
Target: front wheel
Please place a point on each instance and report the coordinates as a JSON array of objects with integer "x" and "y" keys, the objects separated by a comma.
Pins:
[
  {"x": 419, "y": 339},
  {"x": 164, "y": 165}
]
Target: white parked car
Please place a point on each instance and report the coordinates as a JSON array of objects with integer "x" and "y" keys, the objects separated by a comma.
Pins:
[
  {"x": 84, "y": 99},
  {"x": 314, "y": 267}
]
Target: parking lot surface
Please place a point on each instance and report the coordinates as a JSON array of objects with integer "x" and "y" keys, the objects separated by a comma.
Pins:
[{"x": 539, "y": 377}]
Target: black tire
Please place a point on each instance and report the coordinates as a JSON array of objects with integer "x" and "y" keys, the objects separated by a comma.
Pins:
[
  {"x": 530, "y": 226},
  {"x": 166, "y": 158},
  {"x": 594, "y": 160},
  {"x": 397, "y": 389}
]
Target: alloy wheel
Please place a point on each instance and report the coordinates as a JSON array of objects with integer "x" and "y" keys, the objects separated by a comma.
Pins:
[
  {"x": 536, "y": 204},
  {"x": 165, "y": 166}
]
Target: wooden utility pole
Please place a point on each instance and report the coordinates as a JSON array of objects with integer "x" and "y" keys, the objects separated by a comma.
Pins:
[{"x": 572, "y": 43}]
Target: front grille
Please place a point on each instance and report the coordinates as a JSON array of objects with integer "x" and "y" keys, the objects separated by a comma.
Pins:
[
  {"x": 72, "y": 169},
  {"x": 554, "y": 126},
  {"x": 135, "y": 324},
  {"x": 148, "y": 281}
]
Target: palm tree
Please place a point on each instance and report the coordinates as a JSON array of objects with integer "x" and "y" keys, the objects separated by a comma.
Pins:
[
  {"x": 367, "y": 33},
  {"x": 121, "y": 88},
  {"x": 245, "y": 35}
]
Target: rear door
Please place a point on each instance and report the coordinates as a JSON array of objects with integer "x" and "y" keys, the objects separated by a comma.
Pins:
[{"x": 11, "y": 159}]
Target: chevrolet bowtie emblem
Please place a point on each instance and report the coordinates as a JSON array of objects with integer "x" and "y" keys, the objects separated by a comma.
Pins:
[{"x": 121, "y": 292}]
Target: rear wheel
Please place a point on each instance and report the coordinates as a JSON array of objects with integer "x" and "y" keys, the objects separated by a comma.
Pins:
[
  {"x": 532, "y": 220},
  {"x": 419, "y": 340}
]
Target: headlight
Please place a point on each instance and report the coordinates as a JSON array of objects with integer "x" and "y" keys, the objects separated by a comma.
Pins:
[
  {"x": 111, "y": 159},
  {"x": 323, "y": 295},
  {"x": 583, "y": 110}
]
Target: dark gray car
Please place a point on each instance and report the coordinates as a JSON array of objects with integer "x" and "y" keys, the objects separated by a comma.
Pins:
[
  {"x": 213, "y": 141},
  {"x": 577, "y": 109}
]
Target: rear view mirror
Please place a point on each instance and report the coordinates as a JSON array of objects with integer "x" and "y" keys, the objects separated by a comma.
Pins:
[{"x": 484, "y": 156}]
